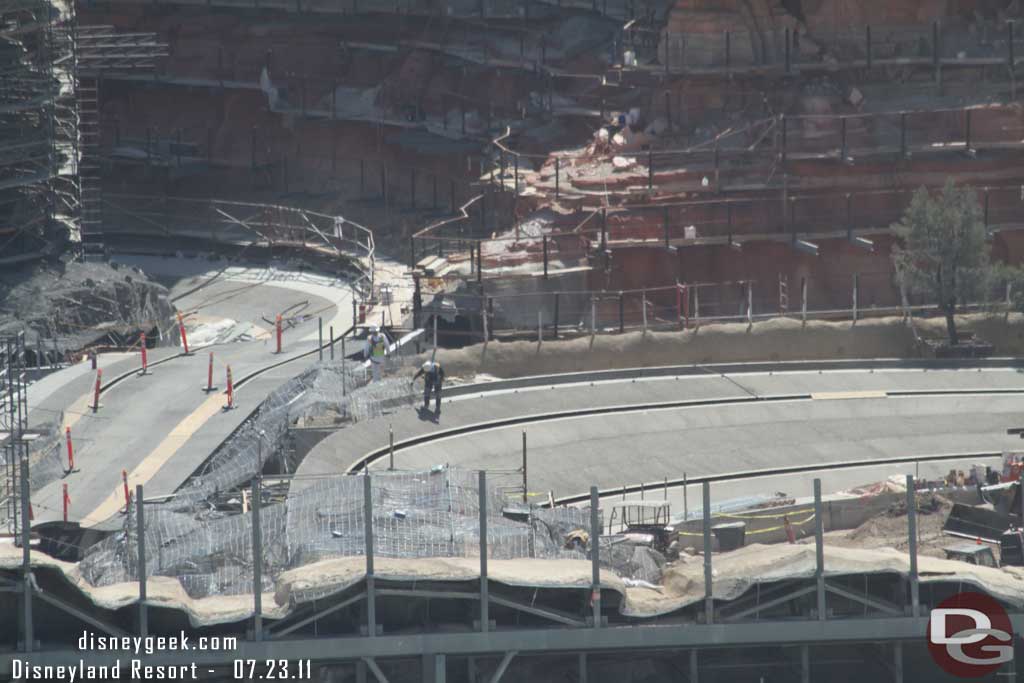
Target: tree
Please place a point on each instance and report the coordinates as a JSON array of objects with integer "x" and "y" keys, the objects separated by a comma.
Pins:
[{"x": 944, "y": 255}]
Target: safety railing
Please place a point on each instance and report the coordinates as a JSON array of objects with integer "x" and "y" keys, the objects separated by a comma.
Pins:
[
  {"x": 565, "y": 312},
  {"x": 931, "y": 45},
  {"x": 219, "y": 221},
  {"x": 843, "y": 138}
]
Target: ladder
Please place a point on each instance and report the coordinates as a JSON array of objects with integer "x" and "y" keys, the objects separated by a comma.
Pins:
[{"x": 90, "y": 166}]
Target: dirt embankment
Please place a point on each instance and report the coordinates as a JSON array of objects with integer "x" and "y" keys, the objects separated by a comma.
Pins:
[
  {"x": 773, "y": 340},
  {"x": 72, "y": 305}
]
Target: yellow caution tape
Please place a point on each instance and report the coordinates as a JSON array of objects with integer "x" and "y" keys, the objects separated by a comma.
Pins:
[
  {"x": 750, "y": 516},
  {"x": 767, "y": 530}
]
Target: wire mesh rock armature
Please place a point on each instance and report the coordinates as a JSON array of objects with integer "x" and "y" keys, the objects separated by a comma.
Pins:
[{"x": 415, "y": 515}]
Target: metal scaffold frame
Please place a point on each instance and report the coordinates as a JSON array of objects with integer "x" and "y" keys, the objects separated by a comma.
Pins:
[
  {"x": 13, "y": 428},
  {"x": 50, "y": 70}
]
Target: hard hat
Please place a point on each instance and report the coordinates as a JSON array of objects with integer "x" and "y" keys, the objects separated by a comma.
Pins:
[
  {"x": 374, "y": 329},
  {"x": 428, "y": 365}
]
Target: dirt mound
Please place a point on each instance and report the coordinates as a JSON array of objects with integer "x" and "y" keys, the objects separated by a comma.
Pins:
[
  {"x": 780, "y": 339},
  {"x": 72, "y": 305}
]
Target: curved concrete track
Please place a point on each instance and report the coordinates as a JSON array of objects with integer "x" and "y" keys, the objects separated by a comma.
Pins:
[
  {"x": 629, "y": 431},
  {"x": 161, "y": 427}
]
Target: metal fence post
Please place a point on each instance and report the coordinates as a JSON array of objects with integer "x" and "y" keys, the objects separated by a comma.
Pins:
[
  {"x": 709, "y": 600},
  {"x": 557, "y": 297},
  {"x": 484, "y": 597},
  {"x": 803, "y": 300},
  {"x": 750, "y": 303},
  {"x": 912, "y": 538},
  {"x": 320, "y": 337},
  {"x": 545, "y": 257},
  {"x": 595, "y": 557},
  {"x": 331, "y": 332},
  {"x": 140, "y": 532},
  {"x": 257, "y": 561},
  {"x": 524, "y": 467},
  {"x": 391, "y": 448},
  {"x": 28, "y": 632},
  {"x": 819, "y": 550},
  {"x": 371, "y": 596},
  {"x": 622, "y": 314},
  {"x": 557, "y": 176},
  {"x": 867, "y": 46},
  {"x": 856, "y": 291}
]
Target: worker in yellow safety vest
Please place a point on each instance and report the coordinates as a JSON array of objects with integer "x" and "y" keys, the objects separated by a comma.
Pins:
[{"x": 376, "y": 350}]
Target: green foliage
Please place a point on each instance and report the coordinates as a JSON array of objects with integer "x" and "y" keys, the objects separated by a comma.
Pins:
[{"x": 944, "y": 255}]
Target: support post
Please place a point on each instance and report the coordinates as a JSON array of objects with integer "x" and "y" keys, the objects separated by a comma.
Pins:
[
  {"x": 915, "y": 600},
  {"x": 331, "y": 332},
  {"x": 694, "y": 667},
  {"x": 867, "y": 46},
  {"x": 557, "y": 297},
  {"x": 28, "y": 633},
  {"x": 819, "y": 550},
  {"x": 484, "y": 598},
  {"x": 856, "y": 290},
  {"x": 371, "y": 594},
  {"x": 803, "y": 300},
  {"x": 842, "y": 145},
  {"x": 650, "y": 169},
  {"x": 967, "y": 130},
  {"x": 709, "y": 600},
  {"x": 583, "y": 668},
  {"x": 391, "y": 447},
  {"x": 545, "y": 257},
  {"x": 936, "y": 63},
  {"x": 622, "y": 314},
  {"x": 140, "y": 533},
  {"x": 320, "y": 337},
  {"x": 750, "y": 303},
  {"x": 557, "y": 176},
  {"x": 595, "y": 557},
  {"x": 524, "y": 468},
  {"x": 257, "y": 560},
  {"x": 788, "y": 56}
]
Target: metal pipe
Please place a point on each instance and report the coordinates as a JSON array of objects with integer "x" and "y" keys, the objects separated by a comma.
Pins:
[
  {"x": 595, "y": 557},
  {"x": 819, "y": 550},
  {"x": 709, "y": 600},
  {"x": 391, "y": 446},
  {"x": 371, "y": 596},
  {"x": 257, "y": 560},
  {"x": 484, "y": 597},
  {"x": 26, "y": 555},
  {"x": 320, "y": 337},
  {"x": 140, "y": 533},
  {"x": 915, "y": 600},
  {"x": 524, "y": 468}
]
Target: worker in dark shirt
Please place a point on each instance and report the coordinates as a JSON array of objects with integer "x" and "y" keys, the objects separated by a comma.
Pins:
[{"x": 433, "y": 378}]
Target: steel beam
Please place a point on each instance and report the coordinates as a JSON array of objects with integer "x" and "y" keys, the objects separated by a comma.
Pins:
[
  {"x": 915, "y": 602},
  {"x": 709, "y": 599},
  {"x": 619, "y": 638},
  {"x": 502, "y": 667},
  {"x": 595, "y": 556},
  {"x": 819, "y": 550},
  {"x": 371, "y": 598},
  {"x": 484, "y": 598}
]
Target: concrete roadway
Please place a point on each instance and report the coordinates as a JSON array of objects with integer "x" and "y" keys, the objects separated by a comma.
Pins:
[
  {"x": 160, "y": 428},
  {"x": 849, "y": 418}
]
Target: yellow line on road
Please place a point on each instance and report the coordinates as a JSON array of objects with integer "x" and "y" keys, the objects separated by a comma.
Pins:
[
  {"x": 152, "y": 463},
  {"x": 841, "y": 395}
]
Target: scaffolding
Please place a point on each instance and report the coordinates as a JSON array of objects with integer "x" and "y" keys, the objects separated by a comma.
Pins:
[
  {"x": 13, "y": 428},
  {"x": 50, "y": 71},
  {"x": 37, "y": 127}
]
